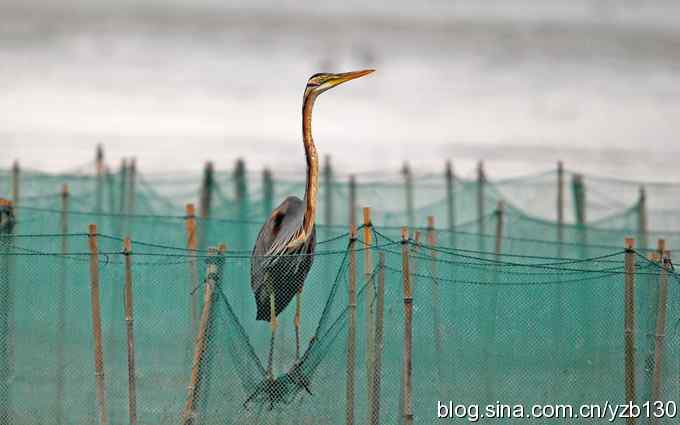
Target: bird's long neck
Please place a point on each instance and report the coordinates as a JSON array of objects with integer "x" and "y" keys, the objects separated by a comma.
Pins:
[{"x": 312, "y": 183}]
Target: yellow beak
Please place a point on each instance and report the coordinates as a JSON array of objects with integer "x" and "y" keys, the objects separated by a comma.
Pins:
[{"x": 346, "y": 76}]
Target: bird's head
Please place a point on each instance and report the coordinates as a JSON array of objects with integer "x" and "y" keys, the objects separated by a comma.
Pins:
[{"x": 319, "y": 83}]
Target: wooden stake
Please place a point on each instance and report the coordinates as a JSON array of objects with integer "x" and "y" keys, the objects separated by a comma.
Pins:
[
  {"x": 205, "y": 202},
  {"x": 122, "y": 209},
  {"x": 436, "y": 320},
  {"x": 481, "y": 181},
  {"x": 490, "y": 338},
  {"x": 661, "y": 249},
  {"x": 132, "y": 181},
  {"x": 123, "y": 198},
  {"x": 499, "y": 227},
  {"x": 580, "y": 209},
  {"x": 657, "y": 375},
  {"x": 579, "y": 199},
  {"x": 64, "y": 218},
  {"x": 242, "y": 206},
  {"x": 328, "y": 191},
  {"x": 370, "y": 314},
  {"x": 16, "y": 173},
  {"x": 450, "y": 204},
  {"x": 374, "y": 419},
  {"x": 351, "y": 332},
  {"x": 192, "y": 245},
  {"x": 97, "y": 326},
  {"x": 267, "y": 193},
  {"x": 352, "y": 200},
  {"x": 557, "y": 300},
  {"x": 129, "y": 319},
  {"x": 643, "y": 231},
  {"x": 629, "y": 323},
  {"x": 408, "y": 330},
  {"x": 240, "y": 180},
  {"x": 206, "y": 192},
  {"x": 414, "y": 259},
  {"x": 408, "y": 191},
  {"x": 99, "y": 165},
  {"x": 61, "y": 307},
  {"x": 6, "y": 308},
  {"x": 108, "y": 177},
  {"x": 560, "y": 203},
  {"x": 198, "y": 364}
]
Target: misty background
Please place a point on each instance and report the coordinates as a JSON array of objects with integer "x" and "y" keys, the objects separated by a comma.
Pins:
[{"x": 518, "y": 83}]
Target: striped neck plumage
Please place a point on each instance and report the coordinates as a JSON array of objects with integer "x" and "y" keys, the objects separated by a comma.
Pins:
[{"x": 312, "y": 183}]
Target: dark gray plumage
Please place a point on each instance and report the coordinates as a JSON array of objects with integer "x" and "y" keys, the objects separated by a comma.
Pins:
[{"x": 274, "y": 265}]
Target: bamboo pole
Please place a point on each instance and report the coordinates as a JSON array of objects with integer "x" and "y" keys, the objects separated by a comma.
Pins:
[
  {"x": 643, "y": 232},
  {"x": 99, "y": 170},
  {"x": 192, "y": 245},
  {"x": 450, "y": 204},
  {"x": 202, "y": 337},
  {"x": 408, "y": 330},
  {"x": 132, "y": 181},
  {"x": 352, "y": 200},
  {"x": 379, "y": 343},
  {"x": 16, "y": 175},
  {"x": 109, "y": 189},
  {"x": 579, "y": 198},
  {"x": 99, "y": 165},
  {"x": 579, "y": 190},
  {"x": 629, "y": 324},
  {"x": 122, "y": 209},
  {"x": 242, "y": 205},
  {"x": 408, "y": 191},
  {"x": 267, "y": 192},
  {"x": 129, "y": 320},
  {"x": 241, "y": 190},
  {"x": 209, "y": 353},
  {"x": 490, "y": 337},
  {"x": 499, "y": 228},
  {"x": 97, "y": 326},
  {"x": 205, "y": 202},
  {"x": 122, "y": 196},
  {"x": 560, "y": 204},
  {"x": 328, "y": 191},
  {"x": 61, "y": 307},
  {"x": 207, "y": 190},
  {"x": 240, "y": 179},
  {"x": 370, "y": 313},
  {"x": 481, "y": 181},
  {"x": 351, "y": 332},
  {"x": 660, "y": 249},
  {"x": 651, "y": 307},
  {"x": 660, "y": 334},
  {"x": 414, "y": 258},
  {"x": 557, "y": 299},
  {"x": 436, "y": 319},
  {"x": 6, "y": 225}
]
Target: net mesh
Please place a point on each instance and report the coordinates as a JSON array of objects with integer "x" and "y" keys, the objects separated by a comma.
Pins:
[{"x": 505, "y": 302}]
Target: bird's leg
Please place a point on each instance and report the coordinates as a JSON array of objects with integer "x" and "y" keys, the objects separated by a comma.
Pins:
[
  {"x": 272, "y": 320},
  {"x": 297, "y": 326}
]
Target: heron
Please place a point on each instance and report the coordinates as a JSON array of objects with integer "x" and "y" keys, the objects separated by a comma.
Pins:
[{"x": 284, "y": 249}]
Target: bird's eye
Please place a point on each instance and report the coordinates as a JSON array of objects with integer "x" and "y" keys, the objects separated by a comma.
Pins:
[{"x": 312, "y": 84}]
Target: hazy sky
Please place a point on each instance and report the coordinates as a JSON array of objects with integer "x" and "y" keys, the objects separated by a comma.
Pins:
[{"x": 518, "y": 82}]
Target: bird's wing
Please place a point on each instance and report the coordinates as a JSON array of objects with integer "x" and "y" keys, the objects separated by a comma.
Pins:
[
  {"x": 286, "y": 226},
  {"x": 278, "y": 233}
]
